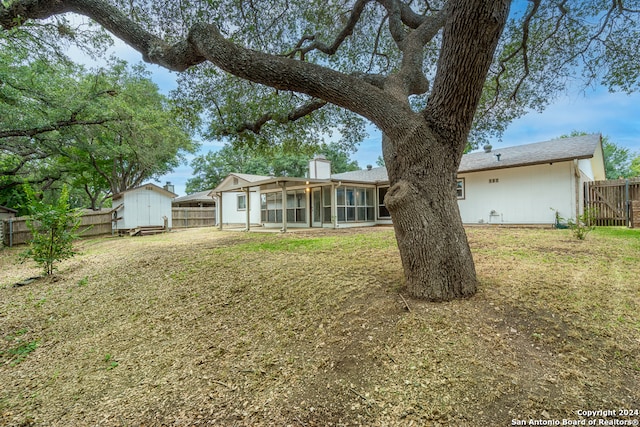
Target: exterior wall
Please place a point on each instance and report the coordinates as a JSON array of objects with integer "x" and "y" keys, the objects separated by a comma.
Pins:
[
  {"x": 586, "y": 168},
  {"x": 230, "y": 212},
  {"x": 523, "y": 195},
  {"x": 143, "y": 207}
]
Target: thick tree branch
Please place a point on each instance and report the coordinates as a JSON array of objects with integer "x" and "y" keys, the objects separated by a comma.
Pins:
[
  {"x": 294, "y": 115},
  {"x": 331, "y": 49},
  {"x": 408, "y": 16},
  {"x": 343, "y": 90},
  {"x": 177, "y": 57},
  {"x": 470, "y": 37},
  {"x": 51, "y": 127},
  {"x": 206, "y": 43}
]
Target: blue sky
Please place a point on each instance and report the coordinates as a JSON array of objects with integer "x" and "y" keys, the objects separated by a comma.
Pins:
[{"x": 615, "y": 115}]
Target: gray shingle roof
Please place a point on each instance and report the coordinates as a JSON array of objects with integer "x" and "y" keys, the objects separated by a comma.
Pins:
[
  {"x": 194, "y": 197},
  {"x": 555, "y": 150},
  {"x": 251, "y": 178},
  {"x": 364, "y": 175}
]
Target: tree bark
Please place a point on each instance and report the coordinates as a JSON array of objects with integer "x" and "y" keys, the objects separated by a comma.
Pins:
[{"x": 435, "y": 254}]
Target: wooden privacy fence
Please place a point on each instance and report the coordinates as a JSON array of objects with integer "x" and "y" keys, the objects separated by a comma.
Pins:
[
  {"x": 193, "y": 217},
  {"x": 15, "y": 231},
  {"x": 611, "y": 201}
]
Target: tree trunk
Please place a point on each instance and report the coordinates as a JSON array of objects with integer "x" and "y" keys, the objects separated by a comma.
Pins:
[{"x": 433, "y": 246}]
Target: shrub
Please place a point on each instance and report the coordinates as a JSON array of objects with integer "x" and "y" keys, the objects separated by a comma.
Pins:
[
  {"x": 583, "y": 224},
  {"x": 53, "y": 229}
]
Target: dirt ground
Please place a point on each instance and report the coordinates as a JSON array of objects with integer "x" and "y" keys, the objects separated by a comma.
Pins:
[{"x": 202, "y": 327}]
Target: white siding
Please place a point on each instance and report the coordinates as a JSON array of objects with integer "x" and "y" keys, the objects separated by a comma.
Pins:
[
  {"x": 143, "y": 207},
  {"x": 586, "y": 168},
  {"x": 230, "y": 212},
  {"x": 523, "y": 195}
]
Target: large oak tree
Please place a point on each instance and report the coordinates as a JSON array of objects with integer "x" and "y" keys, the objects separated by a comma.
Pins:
[{"x": 424, "y": 72}]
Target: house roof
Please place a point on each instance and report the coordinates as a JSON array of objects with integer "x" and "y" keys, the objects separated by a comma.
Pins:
[
  {"x": 556, "y": 150},
  {"x": 200, "y": 196},
  {"x": 238, "y": 180},
  {"x": 372, "y": 175},
  {"x": 250, "y": 178},
  {"x": 148, "y": 185}
]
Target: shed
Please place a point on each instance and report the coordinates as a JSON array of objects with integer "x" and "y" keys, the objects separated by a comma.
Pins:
[
  {"x": 6, "y": 212},
  {"x": 145, "y": 206}
]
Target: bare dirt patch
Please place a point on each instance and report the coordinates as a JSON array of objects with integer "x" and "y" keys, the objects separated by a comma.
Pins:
[{"x": 203, "y": 327}]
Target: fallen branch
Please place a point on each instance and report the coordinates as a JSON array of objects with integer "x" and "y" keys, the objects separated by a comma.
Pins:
[{"x": 405, "y": 303}]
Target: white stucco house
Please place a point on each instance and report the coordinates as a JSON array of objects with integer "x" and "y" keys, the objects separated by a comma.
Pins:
[
  {"x": 524, "y": 184},
  {"x": 145, "y": 206}
]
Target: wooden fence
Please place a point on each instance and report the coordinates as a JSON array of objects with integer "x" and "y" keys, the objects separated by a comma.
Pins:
[
  {"x": 611, "y": 200},
  {"x": 635, "y": 214},
  {"x": 193, "y": 217},
  {"x": 15, "y": 231}
]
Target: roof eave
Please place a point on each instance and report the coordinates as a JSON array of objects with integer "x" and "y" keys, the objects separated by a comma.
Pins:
[{"x": 517, "y": 165}]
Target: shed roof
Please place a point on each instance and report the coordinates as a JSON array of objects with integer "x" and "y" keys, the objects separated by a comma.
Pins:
[
  {"x": 7, "y": 210},
  {"x": 151, "y": 187}
]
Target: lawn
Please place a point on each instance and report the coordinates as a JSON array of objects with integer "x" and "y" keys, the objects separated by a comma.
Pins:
[{"x": 203, "y": 327}]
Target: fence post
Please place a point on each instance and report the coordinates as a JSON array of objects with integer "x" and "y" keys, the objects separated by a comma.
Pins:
[
  {"x": 627, "y": 203},
  {"x": 10, "y": 232}
]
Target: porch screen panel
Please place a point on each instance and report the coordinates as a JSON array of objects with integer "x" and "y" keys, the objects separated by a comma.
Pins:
[
  {"x": 383, "y": 212},
  {"x": 326, "y": 204},
  {"x": 340, "y": 203},
  {"x": 296, "y": 206},
  {"x": 271, "y": 207}
]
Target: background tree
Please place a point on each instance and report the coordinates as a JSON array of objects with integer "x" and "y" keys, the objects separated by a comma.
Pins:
[
  {"x": 430, "y": 75},
  {"x": 211, "y": 168},
  {"x": 617, "y": 160},
  {"x": 101, "y": 132},
  {"x": 635, "y": 166}
]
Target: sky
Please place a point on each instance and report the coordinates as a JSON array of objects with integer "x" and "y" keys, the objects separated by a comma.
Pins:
[{"x": 614, "y": 115}]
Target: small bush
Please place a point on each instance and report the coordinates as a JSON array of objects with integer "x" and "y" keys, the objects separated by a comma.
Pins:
[
  {"x": 583, "y": 224},
  {"x": 53, "y": 229}
]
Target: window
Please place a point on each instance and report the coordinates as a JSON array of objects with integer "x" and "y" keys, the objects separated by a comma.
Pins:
[
  {"x": 355, "y": 204},
  {"x": 296, "y": 206},
  {"x": 460, "y": 188},
  {"x": 242, "y": 202},
  {"x": 326, "y": 204},
  {"x": 271, "y": 207},
  {"x": 383, "y": 212}
]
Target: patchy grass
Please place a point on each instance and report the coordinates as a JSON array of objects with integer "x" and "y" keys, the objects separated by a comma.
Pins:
[{"x": 309, "y": 329}]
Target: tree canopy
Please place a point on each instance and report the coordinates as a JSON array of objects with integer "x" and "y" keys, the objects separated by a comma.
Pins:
[{"x": 101, "y": 132}]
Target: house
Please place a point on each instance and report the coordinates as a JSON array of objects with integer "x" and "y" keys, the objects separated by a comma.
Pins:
[
  {"x": 525, "y": 184},
  {"x": 145, "y": 206},
  {"x": 194, "y": 210},
  {"x": 200, "y": 199}
]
